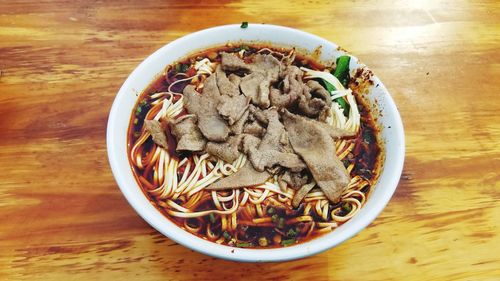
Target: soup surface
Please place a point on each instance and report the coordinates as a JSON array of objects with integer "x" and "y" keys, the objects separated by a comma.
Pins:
[{"x": 255, "y": 146}]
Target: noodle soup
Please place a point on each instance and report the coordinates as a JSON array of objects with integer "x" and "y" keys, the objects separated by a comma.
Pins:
[{"x": 289, "y": 205}]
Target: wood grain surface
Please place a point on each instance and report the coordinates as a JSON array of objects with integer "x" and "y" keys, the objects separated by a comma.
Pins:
[{"x": 64, "y": 218}]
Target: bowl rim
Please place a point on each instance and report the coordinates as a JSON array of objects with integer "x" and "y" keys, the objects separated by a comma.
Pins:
[{"x": 195, "y": 243}]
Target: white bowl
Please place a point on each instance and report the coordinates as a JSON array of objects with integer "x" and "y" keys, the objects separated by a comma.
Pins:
[{"x": 386, "y": 112}]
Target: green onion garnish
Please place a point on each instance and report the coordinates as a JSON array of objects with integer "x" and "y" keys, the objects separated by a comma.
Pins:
[{"x": 288, "y": 242}]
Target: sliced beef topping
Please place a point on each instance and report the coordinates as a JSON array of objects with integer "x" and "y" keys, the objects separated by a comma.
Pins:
[
  {"x": 318, "y": 91},
  {"x": 263, "y": 72},
  {"x": 226, "y": 87},
  {"x": 314, "y": 144},
  {"x": 335, "y": 133},
  {"x": 227, "y": 151},
  {"x": 282, "y": 100},
  {"x": 246, "y": 176},
  {"x": 250, "y": 86},
  {"x": 249, "y": 142},
  {"x": 237, "y": 127},
  {"x": 231, "y": 62},
  {"x": 301, "y": 194},
  {"x": 262, "y": 159},
  {"x": 211, "y": 124},
  {"x": 269, "y": 65},
  {"x": 292, "y": 81},
  {"x": 311, "y": 106},
  {"x": 258, "y": 114},
  {"x": 235, "y": 79},
  {"x": 254, "y": 128},
  {"x": 188, "y": 134},
  {"x": 157, "y": 132},
  {"x": 270, "y": 151},
  {"x": 295, "y": 180},
  {"x": 232, "y": 108}
]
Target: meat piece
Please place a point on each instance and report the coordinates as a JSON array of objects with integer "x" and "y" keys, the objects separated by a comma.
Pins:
[
  {"x": 246, "y": 176},
  {"x": 187, "y": 133},
  {"x": 270, "y": 151},
  {"x": 250, "y": 86},
  {"x": 314, "y": 144},
  {"x": 249, "y": 142},
  {"x": 282, "y": 100},
  {"x": 316, "y": 90},
  {"x": 312, "y": 108},
  {"x": 211, "y": 124},
  {"x": 258, "y": 114},
  {"x": 292, "y": 81},
  {"x": 231, "y": 62},
  {"x": 226, "y": 87},
  {"x": 255, "y": 129},
  {"x": 262, "y": 159},
  {"x": 235, "y": 79},
  {"x": 295, "y": 180},
  {"x": 269, "y": 65},
  {"x": 232, "y": 108},
  {"x": 227, "y": 151},
  {"x": 335, "y": 133},
  {"x": 264, "y": 71},
  {"x": 301, "y": 194},
  {"x": 237, "y": 127},
  {"x": 157, "y": 132}
]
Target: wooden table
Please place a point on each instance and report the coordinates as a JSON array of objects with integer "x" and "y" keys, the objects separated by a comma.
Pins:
[{"x": 64, "y": 218}]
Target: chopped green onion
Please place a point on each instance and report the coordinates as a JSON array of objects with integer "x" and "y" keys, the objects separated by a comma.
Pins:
[
  {"x": 244, "y": 244},
  {"x": 184, "y": 67},
  {"x": 136, "y": 121},
  {"x": 178, "y": 68},
  {"x": 244, "y": 24},
  {"x": 367, "y": 137},
  {"x": 226, "y": 235},
  {"x": 274, "y": 218},
  {"x": 288, "y": 242},
  {"x": 342, "y": 70},
  {"x": 346, "y": 208},
  {"x": 263, "y": 242},
  {"x": 281, "y": 223},
  {"x": 137, "y": 134},
  {"x": 244, "y": 47},
  {"x": 271, "y": 211},
  {"x": 211, "y": 217},
  {"x": 291, "y": 233}
]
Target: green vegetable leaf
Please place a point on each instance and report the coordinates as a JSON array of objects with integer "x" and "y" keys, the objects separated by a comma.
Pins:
[
  {"x": 244, "y": 24},
  {"x": 226, "y": 235},
  {"x": 211, "y": 217},
  {"x": 342, "y": 70}
]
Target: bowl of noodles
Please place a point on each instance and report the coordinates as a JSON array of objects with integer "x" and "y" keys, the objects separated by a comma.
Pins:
[{"x": 255, "y": 143}]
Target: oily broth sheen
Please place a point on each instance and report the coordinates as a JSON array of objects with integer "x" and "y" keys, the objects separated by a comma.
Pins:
[{"x": 161, "y": 85}]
